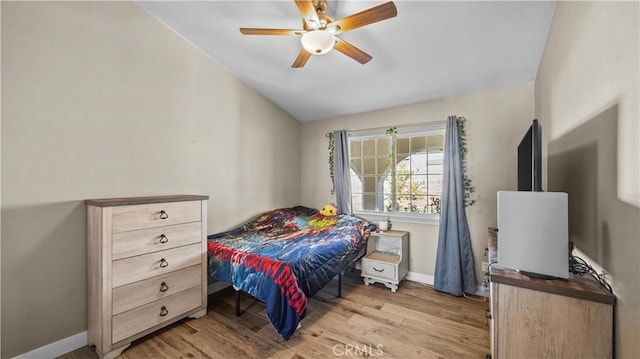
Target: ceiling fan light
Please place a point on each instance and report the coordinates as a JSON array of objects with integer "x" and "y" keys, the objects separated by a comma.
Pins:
[{"x": 318, "y": 42}]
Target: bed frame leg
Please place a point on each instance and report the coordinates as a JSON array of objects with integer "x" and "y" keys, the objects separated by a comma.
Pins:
[
  {"x": 237, "y": 303},
  {"x": 340, "y": 285}
]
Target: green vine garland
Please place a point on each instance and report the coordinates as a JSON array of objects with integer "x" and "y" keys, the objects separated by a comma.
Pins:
[
  {"x": 331, "y": 165},
  {"x": 391, "y": 134},
  {"x": 391, "y": 159},
  {"x": 462, "y": 138}
]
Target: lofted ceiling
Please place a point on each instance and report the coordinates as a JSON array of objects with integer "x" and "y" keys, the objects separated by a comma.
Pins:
[{"x": 432, "y": 49}]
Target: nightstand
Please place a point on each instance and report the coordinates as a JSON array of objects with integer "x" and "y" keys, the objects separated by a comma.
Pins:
[{"x": 387, "y": 258}]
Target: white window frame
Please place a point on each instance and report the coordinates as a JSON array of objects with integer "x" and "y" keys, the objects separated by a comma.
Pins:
[{"x": 401, "y": 131}]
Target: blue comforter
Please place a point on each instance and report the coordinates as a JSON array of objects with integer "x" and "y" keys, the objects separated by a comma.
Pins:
[{"x": 286, "y": 256}]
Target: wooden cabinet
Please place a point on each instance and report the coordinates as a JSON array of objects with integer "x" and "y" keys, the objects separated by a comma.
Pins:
[
  {"x": 538, "y": 318},
  {"x": 147, "y": 266},
  {"x": 387, "y": 259}
]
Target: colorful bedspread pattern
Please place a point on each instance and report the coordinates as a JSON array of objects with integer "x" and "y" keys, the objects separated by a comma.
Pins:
[{"x": 284, "y": 257}]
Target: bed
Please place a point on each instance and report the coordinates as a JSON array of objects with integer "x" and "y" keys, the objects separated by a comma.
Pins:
[{"x": 285, "y": 256}]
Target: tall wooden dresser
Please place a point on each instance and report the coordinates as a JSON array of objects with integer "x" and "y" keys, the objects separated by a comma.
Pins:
[{"x": 147, "y": 266}]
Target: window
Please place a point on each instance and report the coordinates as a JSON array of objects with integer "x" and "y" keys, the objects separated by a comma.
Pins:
[{"x": 397, "y": 174}]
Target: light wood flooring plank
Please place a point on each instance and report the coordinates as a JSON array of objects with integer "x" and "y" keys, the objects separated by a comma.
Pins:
[{"x": 415, "y": 322}]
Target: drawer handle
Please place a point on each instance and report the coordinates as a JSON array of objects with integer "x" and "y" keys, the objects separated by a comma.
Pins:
[
  {"x": 487, "y": 316},
  {"x": 378, "y": 270},
  {"x": 164, "y": 287},
  {"x": 163, "y": 263},
  {"x": 163, "y": 214},
  {"x": 163, "y": 311},
  {"x": 163, "y": 239}
]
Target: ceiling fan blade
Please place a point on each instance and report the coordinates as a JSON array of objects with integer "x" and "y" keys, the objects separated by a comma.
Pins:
[
  {"x": 308, "y": 12},
  {"x": 352, "y": 51},
  {"x": 301, "y": 60},
  {"x": 257, "y": 31},
  {"x": 366, "y": 17}
]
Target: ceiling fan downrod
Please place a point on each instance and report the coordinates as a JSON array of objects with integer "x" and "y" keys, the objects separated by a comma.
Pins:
[{"x": 320, "y": 6}]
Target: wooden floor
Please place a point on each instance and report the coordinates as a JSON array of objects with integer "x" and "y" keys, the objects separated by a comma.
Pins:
[{"x": 415, "y": 322}]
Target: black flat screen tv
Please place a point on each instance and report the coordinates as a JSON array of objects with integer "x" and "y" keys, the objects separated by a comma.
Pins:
[{"x": 530, "y": 159}]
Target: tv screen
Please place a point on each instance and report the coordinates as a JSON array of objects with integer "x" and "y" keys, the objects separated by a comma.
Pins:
[{"x": 530, "y": 159}]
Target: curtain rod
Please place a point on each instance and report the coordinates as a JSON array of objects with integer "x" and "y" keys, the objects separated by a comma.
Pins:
[{"x": 396, "y": 126}]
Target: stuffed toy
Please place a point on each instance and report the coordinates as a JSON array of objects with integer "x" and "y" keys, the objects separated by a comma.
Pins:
[
  {"x": 327, "y": 217},
  {"x": 329, "y": 210}
]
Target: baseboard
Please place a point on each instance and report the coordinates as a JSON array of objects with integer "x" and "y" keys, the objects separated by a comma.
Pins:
[
  {"x": 482, "y": 291},
  {"x": 58, "y": 348},
  {"x": 428, "y": 280},
  {"x": 420, "y": 278}
]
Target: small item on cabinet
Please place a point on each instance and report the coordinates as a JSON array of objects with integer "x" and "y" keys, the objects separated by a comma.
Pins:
[{"x": 383, "y": 225}]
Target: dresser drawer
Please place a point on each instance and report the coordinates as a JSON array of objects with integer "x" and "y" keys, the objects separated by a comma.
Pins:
[
  {"x": 154, "y": 313},
  {"x": 145, "y": 291},
  {"x": 141, "y": 216},
  {"x": 378, "y": 269},
  {"x": 132, "y": 269},
  {"x": 133, "y": 243}
]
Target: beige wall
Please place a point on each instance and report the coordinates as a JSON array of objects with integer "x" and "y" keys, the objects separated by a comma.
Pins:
[
  {"x": 586, "y": 95},
  {"x": 496, "y": 122},
  {"x": 98, "y": 100}
]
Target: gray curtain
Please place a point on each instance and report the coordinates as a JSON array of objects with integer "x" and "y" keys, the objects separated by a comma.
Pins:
[
  {"x": 342, "y": 171},
  {"x": 455, "y": 272}
]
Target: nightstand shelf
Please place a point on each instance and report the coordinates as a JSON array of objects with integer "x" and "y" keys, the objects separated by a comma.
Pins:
[{"x": 387, "y": 259}]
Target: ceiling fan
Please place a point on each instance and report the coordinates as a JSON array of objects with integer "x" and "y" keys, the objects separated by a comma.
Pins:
[{"x": 319, "y": 30}]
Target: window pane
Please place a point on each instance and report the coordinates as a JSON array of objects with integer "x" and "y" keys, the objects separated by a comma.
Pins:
[
  {"x": 356, "y": 202},
  {"x": 435, "y": 162},
  {"x": 369, "y": 166},
  {"x": 380, "y": 184},
  {"x": 435, "y": 158},
  {"x": 356, "y": 184},
  {"x": 356, "y": 165},
  {"x": 418, "y": 144},
  {"x": 388, "y": 182},
  {"x": 403, "y": 164},
  {"x": 418, "y": 184},
  {"x": 388, "y": 207},
  {"x": 355, "y": 149},
  {"x": 435, "y": 184},
  {"x": 435, "y": 142},
  {"x": 420, "y": 204},
  {"x": 403, "y": 185},
  {"x": 383, "y": 146},
  {"x": 434, "y": 204},
  {"x": 403, "y": 203},
  {"x": 435, "y": 169},
  {"x": 369, "y": 184},
  {"x": 402, "y": 145},
  {"x": 419, "y": 163},
  {"x": 369, "y": 148},
  {"x": 369, "y": 202},
  {"x": 356, "y": 192},
  {"x": 382, "y": 166}
]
